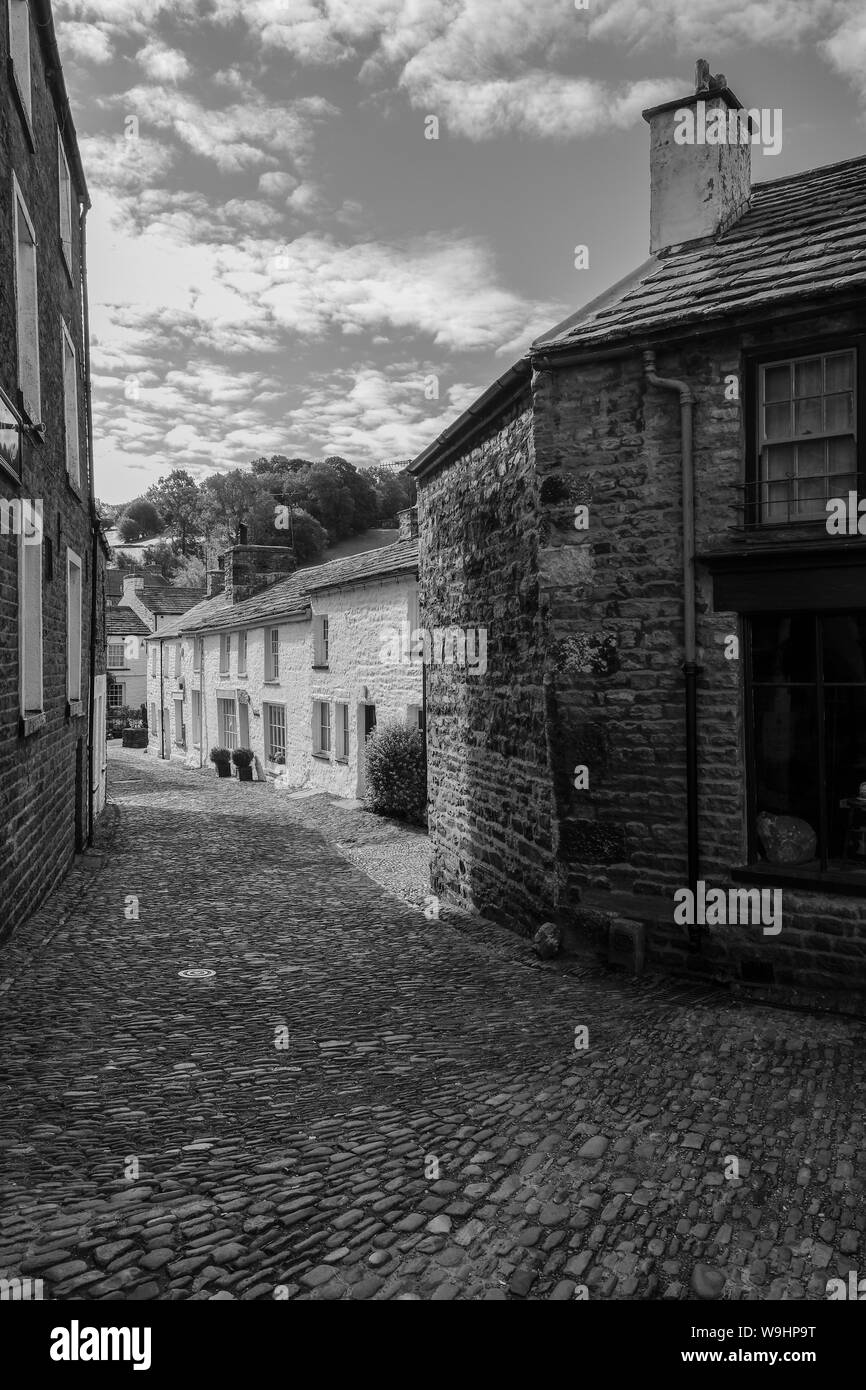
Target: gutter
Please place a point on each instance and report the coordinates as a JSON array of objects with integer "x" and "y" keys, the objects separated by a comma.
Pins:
[
  {"x": 492, "y": 401},
  {"x": 690, "y": 667},
  {"x": 96, "y": 532}
]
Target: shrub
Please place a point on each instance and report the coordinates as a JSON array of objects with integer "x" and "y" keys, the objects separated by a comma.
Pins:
[
  {"x": 396, "y": 772},
  {"x": 242, "y": 757},
  {"x": 220, "y": 755}
]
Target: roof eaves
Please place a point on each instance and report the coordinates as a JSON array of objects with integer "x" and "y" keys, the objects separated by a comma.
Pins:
[{"x": 490, "y": 403}]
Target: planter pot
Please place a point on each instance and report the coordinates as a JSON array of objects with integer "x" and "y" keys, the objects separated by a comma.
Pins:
[
  {"x": 245, "y": 774},
  {"x": 135, "y": 738},
  {"x": 223, "y": 769}
]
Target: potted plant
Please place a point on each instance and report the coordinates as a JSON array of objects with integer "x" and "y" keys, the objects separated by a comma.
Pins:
[
  {"x": 243, "y": 761},
  {"x": 222, "y": 757}
]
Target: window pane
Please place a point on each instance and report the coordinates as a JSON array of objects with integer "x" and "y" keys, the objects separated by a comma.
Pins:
[
  {"x": 786, "y": 753},
  {"x": 807, "y": 416},
  {"x": 839, "y": 371},
  {"x": 783, "y": 649},
  {"x": 844, "y": 647},
  {"x": 777, "y": 383},
  {"x": 777, "y": 422},
  {"x": 839, "y": 413},
  {"x": 845, "y": 723},
  {"x": 807, "y": 378}
]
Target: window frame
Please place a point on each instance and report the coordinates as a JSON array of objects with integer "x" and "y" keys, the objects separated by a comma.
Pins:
[
  {"x": 74, "y": 475},
  {"x": 319, "y": 726},
  {"x": 321, "y": 642},
  {"x": 195, "y": 715},
  {"x": 756, "y": 360},
  {"x": 116, "y": 665},
  {"x": 31, "y": 408},
  {"x": 225, "y": 654},
  {"x": 30, "y": 632},
  {"x": 270, "y": 756},
  {"x": 242, "y": 653},
  {"x": 64, "y": 204},
  {"x": 272, "y": 655},
  {"x": 74, "y": 688},
  {"x": 22, "y": 81},
  {"x": 222, "y": 733},
  {"x": 110, "y": 687},
  {"x": 341, "y": 731}
]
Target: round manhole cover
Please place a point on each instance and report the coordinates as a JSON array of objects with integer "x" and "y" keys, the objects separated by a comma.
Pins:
[{"x": 196, "y": 974}]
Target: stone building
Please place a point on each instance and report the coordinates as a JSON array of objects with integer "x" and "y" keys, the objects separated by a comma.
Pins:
[
  {"x": 640, "y": 512},
  {"x": 52, "y": 555},
  {"x": 293, "y": 666},
  {"x": 126, "y": 658}
]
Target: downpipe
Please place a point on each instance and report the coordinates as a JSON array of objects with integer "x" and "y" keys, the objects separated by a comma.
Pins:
[{"x": 690, "y": 666}]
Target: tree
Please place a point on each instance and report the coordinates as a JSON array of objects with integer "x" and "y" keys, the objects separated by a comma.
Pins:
[
  {"x": 190, "y": 573},
  {"x": 226, "y": 502},
  {"x": 140, "y": 521},
  {"x": 161, "y": 557},
  {"x": 177, "y": 497}
]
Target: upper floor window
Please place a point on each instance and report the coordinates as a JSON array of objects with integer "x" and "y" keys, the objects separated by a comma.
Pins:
[
  {"x": 320, "y": 641},
  {"x": 19, "y": 50},
  {"x": 10, "y": 437},
  {"x": 807, "y": 434},
  {"x": 116, "y": 653},
  {"x": 272, "y": 654},
  {"x": 196, "y": 654},
  {"x": 242, "y": 653},
  {"x": 70, "y": 407},
  {"x": 73, "y": 625},
  {"x": 64, "y": 185},
  {"x": 153, "y": 660},
  {"x": 26, "y": 307},
  {"x": 30, "y": 620},
  {"x": 225, "y": 653}
]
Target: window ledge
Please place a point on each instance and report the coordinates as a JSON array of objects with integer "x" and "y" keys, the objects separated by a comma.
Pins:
[
  {"x": 19, "y": 98},
  {"x": 272, "y": 680},
  {"x": 341, "y": 760},
  {"x": 805, "y": 877},
  {"x": 31, "y": 722},
  {"x": 317, "y": 666},
  {"x": 74, "y": 709},
  {"x": 74, "y": 487},
  {"x": 323, "y": 757}
]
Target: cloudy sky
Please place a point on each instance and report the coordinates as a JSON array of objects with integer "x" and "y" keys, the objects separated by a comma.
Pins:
[{"x": 280, "y": 259}]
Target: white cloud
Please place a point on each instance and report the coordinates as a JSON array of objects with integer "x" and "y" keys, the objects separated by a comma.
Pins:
[
  {"x": 162, "y": 63},
  {"x": 86, "y": 43}
]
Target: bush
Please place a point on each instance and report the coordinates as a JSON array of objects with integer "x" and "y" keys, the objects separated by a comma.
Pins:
[
  {"x": 220, "y": 755},
  {"x": 396, "y": 773},
  {"x": 242, "y": 757}
]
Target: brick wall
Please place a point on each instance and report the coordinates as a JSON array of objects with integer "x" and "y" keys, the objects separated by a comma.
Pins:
[
  {"x": 43, "y": 778},
  {"x": 491, "y": 806}
]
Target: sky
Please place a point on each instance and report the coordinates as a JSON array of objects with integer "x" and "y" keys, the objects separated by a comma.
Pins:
[{"x": 281, "y": 257}]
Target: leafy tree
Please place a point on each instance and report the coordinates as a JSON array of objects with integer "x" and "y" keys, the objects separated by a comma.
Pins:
[
  {"x": 140, "y": 521},
  {"x": 177, "y": 497},
  {"x": 190, "y": 573},
  {"x": 161, "y": 557},
  {"x": 226, "y": 502}
]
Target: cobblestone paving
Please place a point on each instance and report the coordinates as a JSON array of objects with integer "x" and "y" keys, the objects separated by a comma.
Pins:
[{"x": 429, "y": 1130}]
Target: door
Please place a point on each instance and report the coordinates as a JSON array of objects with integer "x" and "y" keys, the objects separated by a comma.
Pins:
[
  {"x": 369, "y": 720},
  {"x": 97, "y": 769},
  {"x": 367, "y": 713},
  {"x": 244, "y": 724}
]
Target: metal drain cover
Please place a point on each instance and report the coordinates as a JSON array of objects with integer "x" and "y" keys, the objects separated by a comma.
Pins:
[{"x": 195, "y": 974}]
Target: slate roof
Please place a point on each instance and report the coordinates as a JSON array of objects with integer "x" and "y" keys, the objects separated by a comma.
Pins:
[
  {"x": 288, "y": 598},
  {"x": 168, "y": 600},
  {"x": 123, "y": 622},
  {"x": 802, "y": 237}
]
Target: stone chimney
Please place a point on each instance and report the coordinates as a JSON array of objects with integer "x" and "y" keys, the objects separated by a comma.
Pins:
[
  {"x": 216, "y": 582},
  {"x": 700, "y": 162},
  {"x": 408, "y": 523},
  {"x": 250, "y": 568}
]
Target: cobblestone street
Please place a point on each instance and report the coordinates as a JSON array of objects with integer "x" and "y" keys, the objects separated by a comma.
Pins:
[{"x": 363, "y": 1103}]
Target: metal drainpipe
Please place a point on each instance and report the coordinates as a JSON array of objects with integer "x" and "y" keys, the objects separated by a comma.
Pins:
[
  {"x": 161, "y": 706},
  {"x": 690, "y": 667},
  {"x": 94, "y": 526}
]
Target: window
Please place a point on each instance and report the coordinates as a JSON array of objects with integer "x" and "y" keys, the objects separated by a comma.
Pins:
[
  {"x": 26, "y": 305},
  {"x": 341, "y": 713},
  {"x": 177, "y": 663},
  {"x": 196, "y": 654},
  {"x": 116, "y": 654},
  {"x": 179, "y": 733},
  {"x": 19, "y": 49},
  {"x": 65, "y": 196},
  {"x": 242, "y": 653},
  {"x": 73, "y": 625},
  {"x": 115, "y": 696},
  {"x": 70, "y": 408},
  {"x": 415, "y": 717},
  {"x": 227, "y": 722},
  {"x": 10, "y": 437},
  {"x": 275, "y": 733},
  {"x": 30, "y": 619},
  {"x": 272, "y": 654},
  {"x": 196, "y": 718},
  {"x": 225, "y": 653},
  {"x": 153, "y": 719},
  {"x": 321, "y": 727},
  {"x": 320, "y": 641},
  {"x": 807, "y": 706},
  {"x": 153, "y": 659},
  {"x": 807, "y": 434}
]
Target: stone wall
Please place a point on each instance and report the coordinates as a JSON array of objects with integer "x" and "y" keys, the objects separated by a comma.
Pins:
[
  {"x": 491, "y": 804},
  {"x": 43, "y": 776},
  {"x": 613, "y": 592}
]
